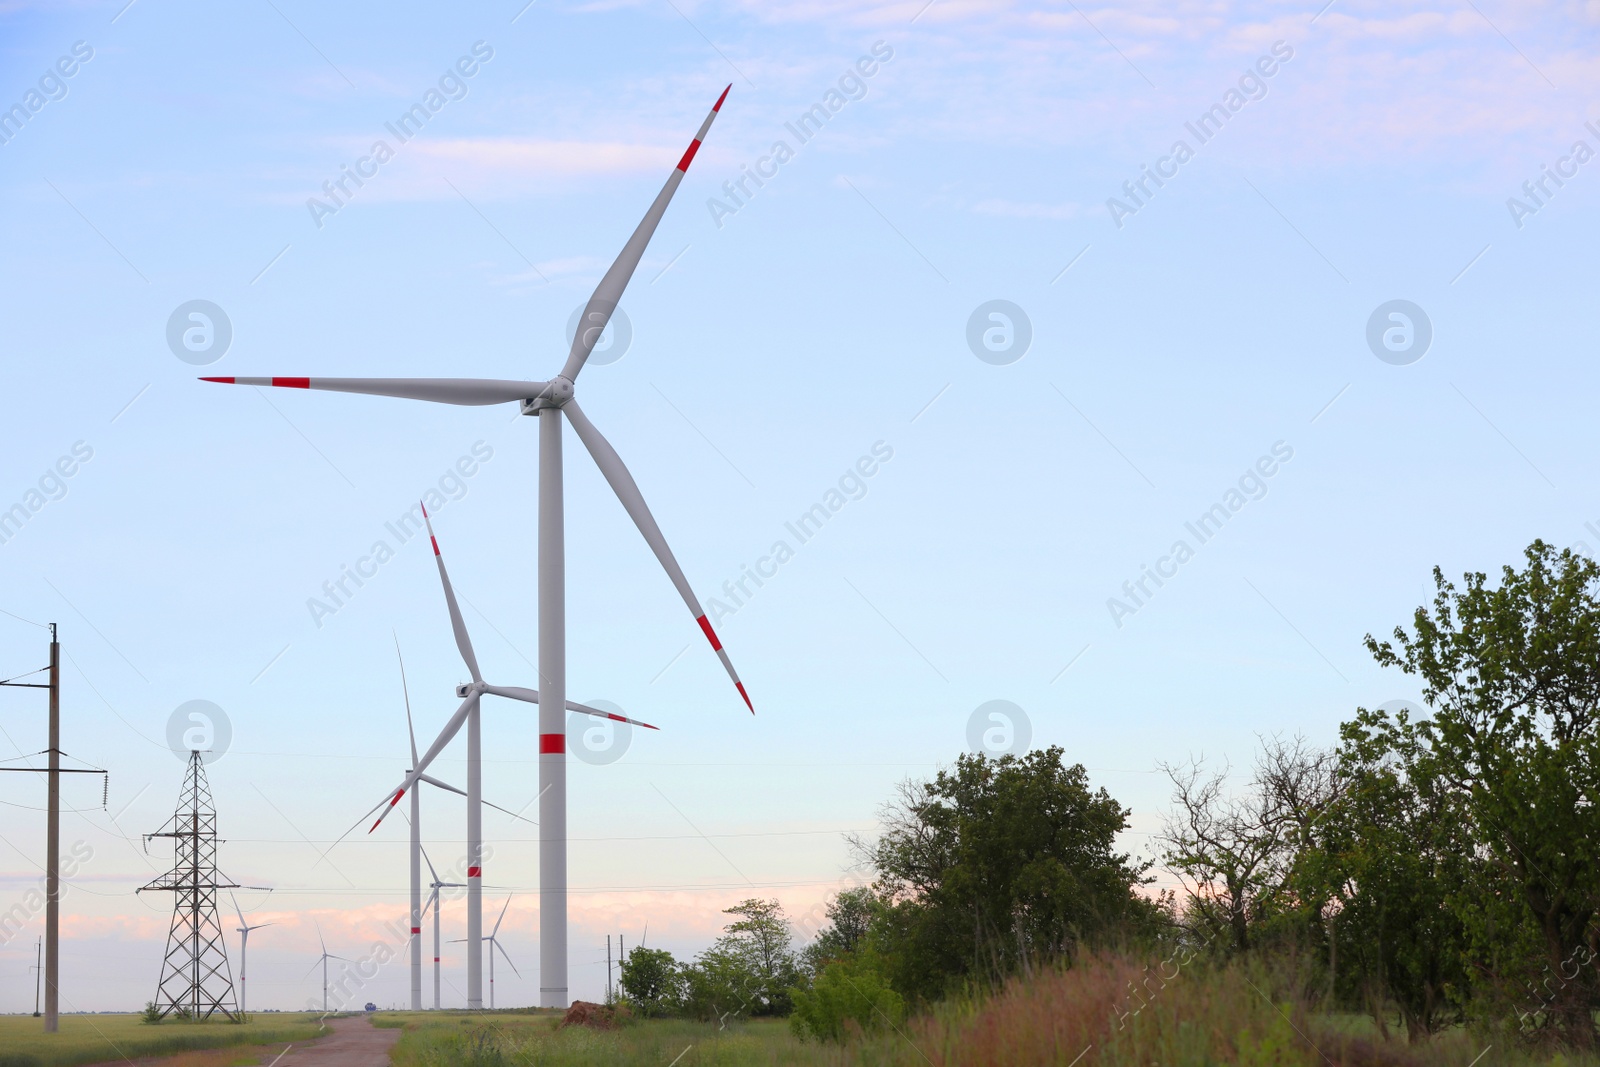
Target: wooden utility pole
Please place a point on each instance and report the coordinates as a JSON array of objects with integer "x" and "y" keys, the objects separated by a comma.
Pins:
[{"x": 52, "y": 875}]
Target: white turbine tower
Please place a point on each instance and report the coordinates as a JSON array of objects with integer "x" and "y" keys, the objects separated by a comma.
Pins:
[
  {"x": 435, "y": 901},
  {"x": 549, "y": 401},
  {"x": 494, "y": 946},
  {"x": 244, "y": 944}
]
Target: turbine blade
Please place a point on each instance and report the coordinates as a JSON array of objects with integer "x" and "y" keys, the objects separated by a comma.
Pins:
[
  {"x": 431, "y": 872},
  {"x": 236, "y": 910},
  {"x": 597, "y": 312},
  {"x": 431, "y": 780},
  {"x": 498, "y": 921},
  {"x": 457, "y": 623},
  {"x": 627, "y": 490},
  {"x": 466, "y": 391},
  {"x": 505, "y": 957},
  {"x": 450, "y": 730},
  {"x": 531, "y": 696},
  {"x": 411, "y": 730},
  {"x": 511, "y": 813}
]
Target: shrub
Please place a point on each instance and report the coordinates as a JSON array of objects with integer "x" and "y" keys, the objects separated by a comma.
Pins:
[{"x": 849, "y": 995}]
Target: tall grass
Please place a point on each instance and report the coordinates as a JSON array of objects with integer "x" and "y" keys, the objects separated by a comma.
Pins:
[{"x": 1107, "y": 1011}]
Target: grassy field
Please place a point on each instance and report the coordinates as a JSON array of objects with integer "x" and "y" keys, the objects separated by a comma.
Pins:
[
  {"x": 100, "y": 1038},
  {"x": 1089, "y": 1016},
  {"x": 448, "y": 1039}
]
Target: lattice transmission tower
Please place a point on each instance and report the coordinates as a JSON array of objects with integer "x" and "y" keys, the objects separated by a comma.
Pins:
[{"x": 195, "y": 978}]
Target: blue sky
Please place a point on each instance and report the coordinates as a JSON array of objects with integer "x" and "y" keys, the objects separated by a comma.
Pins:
[{"x": 776, "y": 341}]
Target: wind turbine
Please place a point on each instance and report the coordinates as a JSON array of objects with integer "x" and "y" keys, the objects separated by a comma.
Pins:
[
  {"x": 495, "y": 946},
  {"x": 435, "y": 900},
  {"x": 549, "y": 401},
  {"x": 244, "y": 944},
  {"x": 467, "y": 714},
  {"x": 323, "y": 959},
  {"x": 417, "y": 907}
]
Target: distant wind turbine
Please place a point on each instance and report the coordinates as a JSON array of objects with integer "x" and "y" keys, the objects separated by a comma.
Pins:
[
  {"x": 323, "y": 959},
  {"x": 435, "y": 902},
  {"x": 244, "y": 944},
  {"x": 495, "y": 946}
]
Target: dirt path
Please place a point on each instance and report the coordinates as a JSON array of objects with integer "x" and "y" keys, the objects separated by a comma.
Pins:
[{"x": 354, "y": 1042}]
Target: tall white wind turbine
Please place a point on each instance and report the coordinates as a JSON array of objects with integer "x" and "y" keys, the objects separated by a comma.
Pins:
[
  {"x": 549, "y": 401},
  {"x": 244, "y": 945}
]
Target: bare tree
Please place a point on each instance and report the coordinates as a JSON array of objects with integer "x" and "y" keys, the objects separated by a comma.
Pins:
[{"x": 1233, "y": 852}]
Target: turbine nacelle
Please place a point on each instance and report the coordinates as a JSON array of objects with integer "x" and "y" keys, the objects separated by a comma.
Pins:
[{"x": 557, "y": 391}]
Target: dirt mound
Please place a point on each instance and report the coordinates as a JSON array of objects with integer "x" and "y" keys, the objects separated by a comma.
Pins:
[{"x": 587, "y": 1013}]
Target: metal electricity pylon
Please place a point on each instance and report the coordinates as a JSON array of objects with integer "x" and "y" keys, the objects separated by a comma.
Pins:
[{"x": 195, "y": 978}]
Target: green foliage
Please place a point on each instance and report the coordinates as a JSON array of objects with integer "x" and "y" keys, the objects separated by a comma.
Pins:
[
  {"x": 653, "y": 981},
  {"x": 151, "y": 1013},
  {"x": 851, "y": 915},
  {"x": 849, "y": 995},
  {"x": 1512, "y": 675},
  {"x": 1391, "y": 854},
  {"x": 750, "y": 969},
  {"x": 998, "y": 862}
]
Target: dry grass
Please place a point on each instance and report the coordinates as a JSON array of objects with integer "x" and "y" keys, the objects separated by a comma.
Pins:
[{"x": 1104, "y": 1012}]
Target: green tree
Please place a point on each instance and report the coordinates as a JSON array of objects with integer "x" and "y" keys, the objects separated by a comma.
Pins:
[
  {"x": 850, "y": 916},
  {"x": 750, "y": 969},
  {"x": 653, "y": 981},
  {"x": 1391, "y": 852},
  {"x": 1512, "y": 676},
  {"x": 998, "y": 863}
]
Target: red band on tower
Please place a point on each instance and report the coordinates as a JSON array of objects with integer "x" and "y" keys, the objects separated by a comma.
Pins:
[
  {"x": 474, "y": 872},
  {"x": 552, "y": 744}
]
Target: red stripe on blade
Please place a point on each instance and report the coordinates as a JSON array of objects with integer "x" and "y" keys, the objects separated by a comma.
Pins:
[
  {"x": 716, "y": 646},
  {"x": 552, "y": 744},
  {"x": 718, "y": 105},
  {"x": 435, "y": 541},
  {"x": 225, "y": 381},
  {"x": 688, "y": 156},
  {"x": 292, "y": 383},
  {"x": 746, "y": 696}
]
